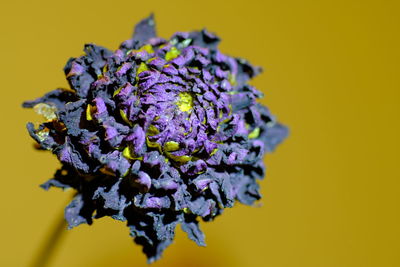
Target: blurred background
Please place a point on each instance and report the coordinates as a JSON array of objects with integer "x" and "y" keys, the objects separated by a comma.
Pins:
[{"x": 332, "y": 191}]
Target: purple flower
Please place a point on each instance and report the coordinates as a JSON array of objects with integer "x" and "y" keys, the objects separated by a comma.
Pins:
[{"x": 158, "y": 133}]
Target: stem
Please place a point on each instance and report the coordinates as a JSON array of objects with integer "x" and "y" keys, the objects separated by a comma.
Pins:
[{"x": 48, "y": 247}]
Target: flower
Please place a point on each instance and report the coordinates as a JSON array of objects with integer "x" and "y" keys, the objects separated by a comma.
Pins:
[{"x": 158, "y": 133}]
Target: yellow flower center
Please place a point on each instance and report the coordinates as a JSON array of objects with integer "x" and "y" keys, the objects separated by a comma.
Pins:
[{"x": 185, "y": 102}]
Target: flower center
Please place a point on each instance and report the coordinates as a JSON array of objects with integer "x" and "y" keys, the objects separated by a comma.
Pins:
[{"x": 185, "y": 102}]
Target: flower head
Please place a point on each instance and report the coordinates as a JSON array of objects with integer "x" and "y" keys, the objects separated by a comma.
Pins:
[{"x": 158, "y": 133}]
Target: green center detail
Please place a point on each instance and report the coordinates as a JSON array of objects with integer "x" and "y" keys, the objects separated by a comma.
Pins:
[{"x": 185, "y": 102}]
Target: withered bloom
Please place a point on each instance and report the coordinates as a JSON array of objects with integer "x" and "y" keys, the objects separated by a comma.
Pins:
[{"x": 158, "y": 133}]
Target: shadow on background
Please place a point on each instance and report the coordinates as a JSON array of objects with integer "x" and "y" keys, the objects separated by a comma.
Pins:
[{"x": 181, "y": 253}]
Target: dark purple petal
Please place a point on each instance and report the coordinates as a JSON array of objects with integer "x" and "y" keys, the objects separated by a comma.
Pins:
[
  {"x": 144, "y": 30},
  {"x": 193, "y": 231},
  {"x": 73, "y": 212}
]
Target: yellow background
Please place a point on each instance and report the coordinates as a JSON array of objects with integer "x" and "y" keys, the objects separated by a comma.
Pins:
[{"x": 331, "y": 196}]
